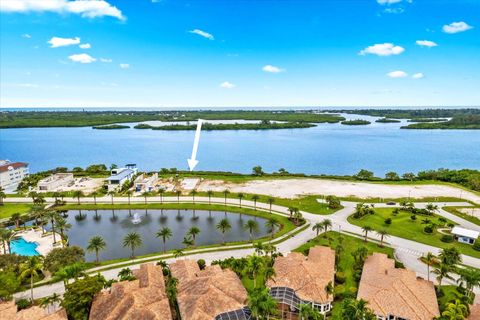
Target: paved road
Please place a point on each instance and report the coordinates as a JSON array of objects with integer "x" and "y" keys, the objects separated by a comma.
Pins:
[{"x": 406, "y": 251}]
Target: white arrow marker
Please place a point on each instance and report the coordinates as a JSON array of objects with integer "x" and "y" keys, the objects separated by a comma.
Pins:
[{"x": 192, "y": 162}]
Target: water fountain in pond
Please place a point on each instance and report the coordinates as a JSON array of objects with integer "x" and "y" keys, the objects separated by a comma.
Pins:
[{"x": 136, "y": 218}]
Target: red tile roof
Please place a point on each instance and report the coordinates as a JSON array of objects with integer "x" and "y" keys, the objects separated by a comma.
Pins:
[{"x": 14, "y": 165}]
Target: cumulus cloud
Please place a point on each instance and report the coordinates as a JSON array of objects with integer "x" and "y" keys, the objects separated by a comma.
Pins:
[
  {"x": 418, "y": 75},
  {"x": 84, "y": 8},
  {"x": 272, "y": 69},
  {"x": 106, "y": 60},
  {"x": 26, "y": 36},
  {"x": 124, "y": 65},
  {"x": 227, "y": 85},
  {"x": 56, "y": 42},
  {"x": 202, "y": 34},
  {"x": 426, "y": 43},
  {"x": 388, "y": 1},
  {"x": 85, "y": 46},
  {"x": 382, "y": 49},
  {"x": 397, "y": 74},
  {"x": 82, "y": 58},
  {"x": 456, "y": 27}
]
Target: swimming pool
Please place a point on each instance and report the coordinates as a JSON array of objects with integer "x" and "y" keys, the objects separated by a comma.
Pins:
[{"x": 22, "y": 247}]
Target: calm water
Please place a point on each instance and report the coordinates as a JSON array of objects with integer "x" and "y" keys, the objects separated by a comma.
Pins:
[
  {"x": 113, "y": 230},
  {"x": 326, "y": 148},
  {"x": 24, "y": 248}
]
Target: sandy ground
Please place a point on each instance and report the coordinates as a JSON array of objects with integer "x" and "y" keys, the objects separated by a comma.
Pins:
[
  {"x": 473, "y": 211},
  {"x": 291, "y": 188}
]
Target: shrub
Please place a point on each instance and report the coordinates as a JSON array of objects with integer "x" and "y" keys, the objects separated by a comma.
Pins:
[
  {"x": 388, "y": 221},
  {"x": 340, "y": 277},
  {"x": 357, "y": 275},
  {"x": 61, "y": 257},
  {"x": 398, "y": 264},
  {"x": 23, "y": 304},
  {"x": 339, "y": 291},
  {"x": 447, "y": 238},
  {"x": 428, "y": 229},
  {"x": 413, "y": 217},
  {"x": 201, "y": 264},
  {"x": 476, "y": 245}
]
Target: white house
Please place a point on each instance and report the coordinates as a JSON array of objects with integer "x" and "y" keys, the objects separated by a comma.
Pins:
[
  {"x": 465, "y": 235},
  {"x": 56, "y": 181},
  {"x": 145, "y": 183},
  {"x": 11, "y": 173},
  {"x": 121, "y": 175}
]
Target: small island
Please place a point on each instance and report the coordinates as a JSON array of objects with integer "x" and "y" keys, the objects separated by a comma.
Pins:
[
  {"x": 263, "y": 125},
  {"x": 111, "y": 127},
  {"x": 471, "y": 121},
  {"x": 387, "y": 120},
  {"x": 357, "y": 122},
  {"x": 427, "y": 120}
]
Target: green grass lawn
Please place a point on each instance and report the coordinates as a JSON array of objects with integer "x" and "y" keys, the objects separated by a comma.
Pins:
[
  {"x": 346, "y": 261},
  {"x": 404, "y": 227},
  {"x": 456, "y": 211},
  {"x": 7, "y": 209}
]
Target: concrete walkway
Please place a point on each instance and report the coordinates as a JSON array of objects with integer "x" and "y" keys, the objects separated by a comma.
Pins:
[{"x": 406, "y": 250}]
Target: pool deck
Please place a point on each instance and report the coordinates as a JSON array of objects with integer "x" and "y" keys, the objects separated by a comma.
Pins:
[{"x": 45, "y": 242}]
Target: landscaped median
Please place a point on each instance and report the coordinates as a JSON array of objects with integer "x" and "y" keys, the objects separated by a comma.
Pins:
[
  {"x": 468, "y": 213},
  {"x": 427, "y": 229}
]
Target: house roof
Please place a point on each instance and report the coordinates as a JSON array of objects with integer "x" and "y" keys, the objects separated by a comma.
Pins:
[
  {"x": 307, "y": 276},
  {"x": 121, "y": 175},
  {"x": 12, "y": 165},
  {"x": 143, "y": 298},
  {"x": 394, "y": 291},
  {"x": 202, "y": 295},
  {"x": 459, "y": 231},
  {"x": 8, "y": 311},
  {"x": 474, "y": 312}
]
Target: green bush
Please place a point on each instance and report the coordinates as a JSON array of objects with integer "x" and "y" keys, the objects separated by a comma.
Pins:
[
  {"x": 61, "y": 257},
  {"x": 388, "y": 221},
  {"x": 476, "y": 245},
  {"x": 413, "y": 217},
  {"x": 447, "y": 238},
  {"x": 339, "y": 291},
  {"x": 340, "y": 277},
  {"x": 201, "y": 264},
  {"x": 428, "y": 229},
  {"x": 23, "y": 304}
]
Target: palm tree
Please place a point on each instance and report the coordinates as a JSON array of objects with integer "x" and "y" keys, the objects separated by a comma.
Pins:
[
  {"x": 455, "y": 311},
  {"x": 327, "y": 223},
  {"x": 329, "y": 289},
  {"x": 255, "y": 199},
  {"x": 251, "y": 226},
  {"x": 132, "y": 240},
  {"x": 193, "y": 193},
  {"x": 30, "y": 269},
  {"x": 145, "y": 195},
  {"x": 271, "y": 224},
  {"x": 209, "y": 194},
  {"x": 15, "y": 218},
  {"x": 187, "y": 241},
  {"x": 254, "y": 265},
  {"x": 94, "y": 194},
  {"x": 240, "y": 197},
  {"x": 353, "y": 309},
  {"x": 366, "y": 229},
  {"x": 270, "y": 202},
  {"x": 193, "y": 232},
  {"x": 6, "y": 235},
  {"x": 307, "y": 312},
  {"x": 224, "y": 226},
  {"x": 261, "y": 303},
  {"x": 3, "y": 195},
  {"x": 178, "y": 193},
  {"x": 50, "y": 300},
  {"x": 442, "y": 271},
  {"x": 164, "y": 233},
  {"x": 429, "y": 260},
  {"x": 226, "y": 192},
  {"x": 111, "y": 194},
  {"x": 52, "y": 216},
  {"x": 33, "y": 195},
  {"x": 177, "y": 253},
  {"x": 383, "y": 234},
  {"x": 129, "y": 194},
  {"x": 470, "y": 277},
  {"x": 161, "y": 192},
  {"x": 96, "y": 244},
  {"x": 317, "y": 227},
  {"x": 63, "y": 226},
  {"x": 450, "y": 256},
  {"x": 297, "y": 215},
  {"x": 78, "y": 194}
]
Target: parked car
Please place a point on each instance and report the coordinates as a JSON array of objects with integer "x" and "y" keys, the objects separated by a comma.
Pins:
[{"x": 391, "y": 203}]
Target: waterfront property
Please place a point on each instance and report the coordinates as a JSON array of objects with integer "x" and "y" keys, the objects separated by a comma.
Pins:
[
  {"x": 209, "y": 294},
  {"x": 55, "y": 182},
  {"x": 119, "y": 176},
  {"x": 465, "y": 235},
  {"x": 142, "y": 298},
  {"x": 304, "y": 280},
  {"x": 8, "y": 311},
  {"x": 394, "y": 293},
  {"x": 12, "y": 173},
  {"x": 144, "y": 183}
]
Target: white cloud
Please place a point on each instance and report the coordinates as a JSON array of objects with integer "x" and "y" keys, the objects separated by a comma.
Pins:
[
  {"x": 397, "y": 10},
  {"x": 388, "y": 1},
  {"x": 418, "y": 75},
  {"x": 85, "y": 46},
  {"x": 382, "y": 49},
  {"x": 397, "y": 74},
  {"x": 227, "y": 85},
  {"x": 272, "y": 69},
  {"x": 84, "y": 8},
  {"x": 124, "y": 65},
  {"x": 106, "y": 60},
  {"x": 455, "y": 27},
  {"x": 426, "y": 43},
  {"x": 26, "y": 35},
  {"x": 203, "y": 34},
  {"x": 82, "y": 58},
  {"x": 56, "y": 42}
]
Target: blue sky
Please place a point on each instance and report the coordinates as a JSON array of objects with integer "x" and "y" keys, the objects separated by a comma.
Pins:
[{"x": 175, "y": 53}]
